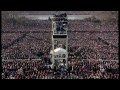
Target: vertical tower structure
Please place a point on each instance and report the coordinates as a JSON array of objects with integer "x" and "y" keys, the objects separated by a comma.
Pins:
[{"x": 59, "y": 40}]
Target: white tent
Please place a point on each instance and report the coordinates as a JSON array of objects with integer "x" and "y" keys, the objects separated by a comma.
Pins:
[{"x": 59, "y": 51}]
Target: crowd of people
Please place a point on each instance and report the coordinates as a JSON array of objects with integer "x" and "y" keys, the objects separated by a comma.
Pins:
[
  {"x": 76, "y": 70},
  {"x": 86, "y": 40},
  {"x": 74, "y": 25},
  {"x": 53, "y": 12},
  {"x": 83, "y": 25},
  {"x": 28, "y": 25},
  {"x": 80, "y": 34}
]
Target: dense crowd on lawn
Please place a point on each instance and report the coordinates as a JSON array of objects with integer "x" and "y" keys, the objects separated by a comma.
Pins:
[
  {"x": 34, "y": 45},
  {"x": 79, "y": 70},
  {"x": 83, "y": 43}
]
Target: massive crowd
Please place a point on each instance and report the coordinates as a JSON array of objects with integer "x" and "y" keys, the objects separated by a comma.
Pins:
[
  {"x": 80, "y": 34},
  {"x": 53, "y": 12},
  {"x": 28, "y": 25},
  {"x": 78, "y": 70},
  {"x": 86, "y": 40},
  {"x": 83, "y": 25}
]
